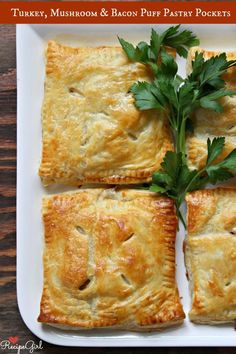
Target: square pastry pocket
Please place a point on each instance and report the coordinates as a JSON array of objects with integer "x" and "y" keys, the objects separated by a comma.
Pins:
[
  {"x": 210, "y": 255},
  {"x": 109, "y": 260},
  {"x": 92, "y": 131}
]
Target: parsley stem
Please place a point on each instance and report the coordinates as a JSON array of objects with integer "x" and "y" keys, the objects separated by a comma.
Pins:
[
  {"x": 178, "y": 212},
  {"x": 181, "y": 140}
]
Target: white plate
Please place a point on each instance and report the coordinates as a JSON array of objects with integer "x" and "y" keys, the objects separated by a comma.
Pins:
[{"x": 31, "y": 40}]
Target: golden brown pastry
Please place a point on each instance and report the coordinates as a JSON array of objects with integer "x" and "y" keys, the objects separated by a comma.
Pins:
[
  {"x": 208, "y": 123},
  {"x": 92, "y": 131},
  {"x": 109, "y": 260},
  {"x": 210, "y": 255}
]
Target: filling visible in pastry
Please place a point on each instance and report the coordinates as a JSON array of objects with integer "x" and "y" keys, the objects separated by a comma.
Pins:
[
  {"x": 92, "y": 131},
  {"x": 208, "y": 123},
  {"x": 109, "y": 260},
  {"x": 210, "y": 255}
]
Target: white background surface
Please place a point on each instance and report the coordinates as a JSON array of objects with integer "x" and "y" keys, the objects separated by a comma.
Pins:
[{"x": 31, "y": 43}]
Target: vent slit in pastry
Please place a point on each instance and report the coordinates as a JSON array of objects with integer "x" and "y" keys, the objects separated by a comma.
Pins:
[
  {"x": 85, "y": 284},
  {"x": 132, "y": 136},
  {"x": 80, "y": 230},
  {"x": 228, "y": 283},
  {"x": 231, "y": 127},
  {"x": 126, "y": 280},
  {"x": 75, "y": 92},
  {"x": 129, "y": 237}
]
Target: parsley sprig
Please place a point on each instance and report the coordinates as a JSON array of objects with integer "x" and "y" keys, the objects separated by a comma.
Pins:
[
  {"x": 149, "y": 54},
  {"x": 176, "y": 179},
  {"x": 179, "y": 98}
]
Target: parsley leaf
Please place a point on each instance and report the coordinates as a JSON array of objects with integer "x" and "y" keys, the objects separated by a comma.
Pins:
[
  {"x": 147, "y": 96},
  {"x": 214, "y": 149},
  {"x": 149, "y": 54},
  {"x": 209, "y": 72},
  {"x": 216, "y": 174},
  {"x": 209, "y": 101},
  {"x": 229, "y": 162},
  {"x": 181, "y": 41}
]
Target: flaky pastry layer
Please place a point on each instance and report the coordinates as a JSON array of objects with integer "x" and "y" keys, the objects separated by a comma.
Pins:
[
  {"x": 109, "y": 260},
  {"x": 92, "y": 132},
  {"x": 210, "y": 255}
]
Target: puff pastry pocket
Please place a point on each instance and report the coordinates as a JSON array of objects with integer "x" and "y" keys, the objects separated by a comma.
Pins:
[
  {"x": 210, "y": 255},
  {"x": 92, "y": 131},
  {"x": 109, "y": 261},
  {"x": 208, "y": 123}
]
